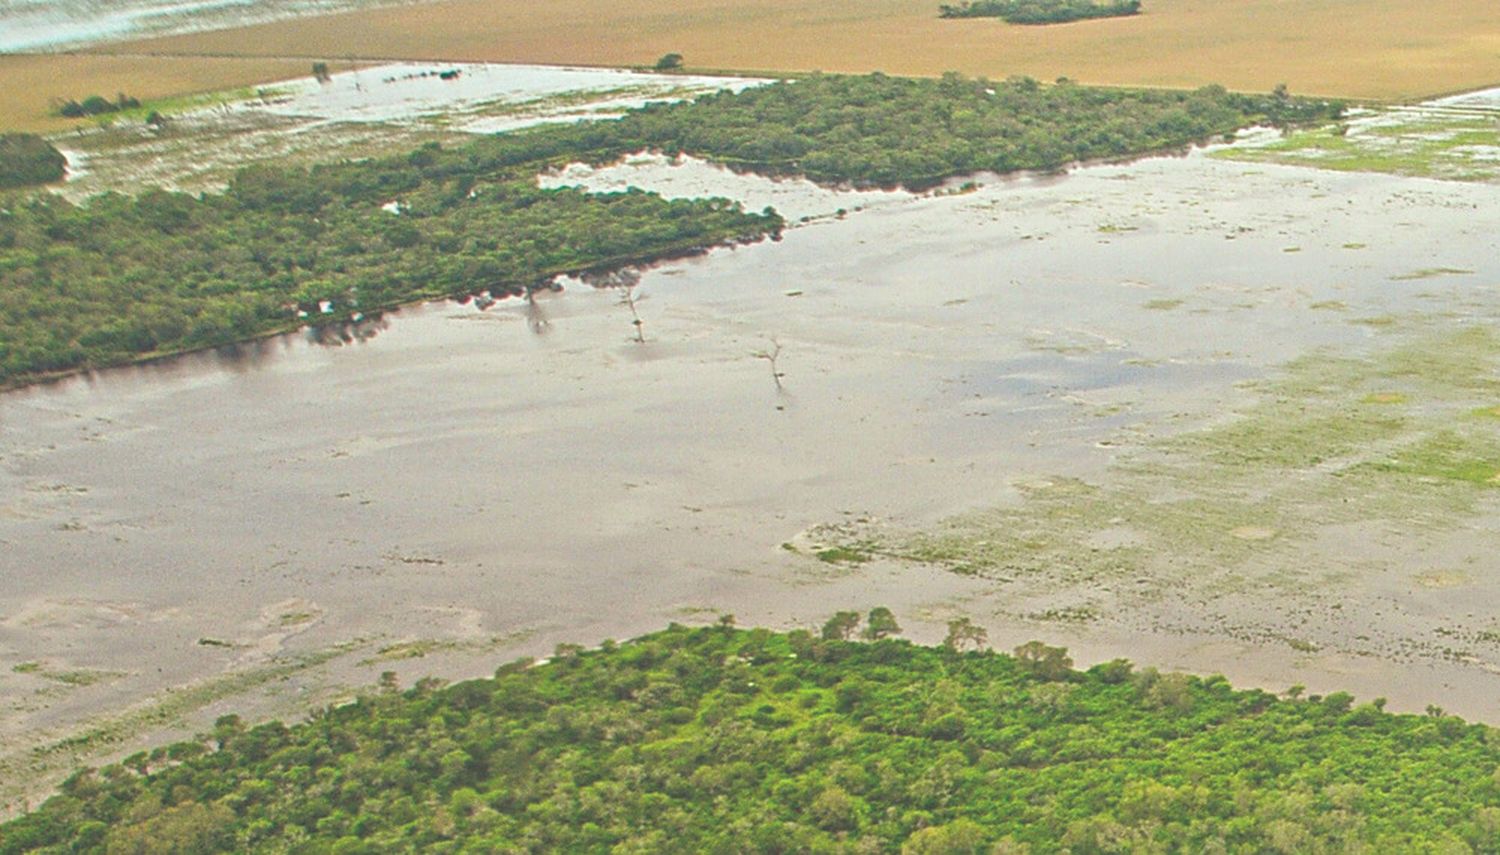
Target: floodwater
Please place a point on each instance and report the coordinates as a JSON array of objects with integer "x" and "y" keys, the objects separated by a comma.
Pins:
[
  {"x": 484, "y": 98},
  {"x": 491, "y": 483},
  {"x": 37, "y": 25},
  {"x": 355, "y": 114}
]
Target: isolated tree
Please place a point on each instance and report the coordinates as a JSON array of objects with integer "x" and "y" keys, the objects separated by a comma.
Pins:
[
  {"x": 321, "y": 73},
  {"x": 841, "y": 626},
  {"x": 669, "y": 62},
  {"x": 964, "y": 632},
  {"x": 881, "y": 623},
  {"x": 628, "y": 299},
  {"x": 1049, "y": 663}
]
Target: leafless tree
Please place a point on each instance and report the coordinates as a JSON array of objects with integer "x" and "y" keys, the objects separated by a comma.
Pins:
[{"x": 770, "y": 356}]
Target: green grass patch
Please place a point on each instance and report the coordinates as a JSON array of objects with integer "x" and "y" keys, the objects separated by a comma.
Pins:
[{"x": 843, "y": 555}]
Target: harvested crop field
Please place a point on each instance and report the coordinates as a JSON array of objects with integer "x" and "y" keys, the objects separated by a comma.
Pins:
[
  {"x": 1386, "y": 50},
  {"x": 1383, "y": 49},
  {"x": 30, "y": 82}
]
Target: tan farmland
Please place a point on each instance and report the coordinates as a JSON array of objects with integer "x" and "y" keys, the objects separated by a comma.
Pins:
[
  {"x": 1364, "y": 48},
  {"x": 28, "y": 83},
  {"x": 1376, "y": 49}
]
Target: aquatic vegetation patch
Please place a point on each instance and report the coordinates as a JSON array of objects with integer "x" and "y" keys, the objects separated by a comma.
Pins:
[
  {"x": 1430, "y": 273},
  {"x": 1239, "y": 505},
  {"x": 1417, "y": 141}
]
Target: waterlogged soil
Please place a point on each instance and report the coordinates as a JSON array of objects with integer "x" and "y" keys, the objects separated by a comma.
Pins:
[
  {"x": 364, "y": 112},
  {"x": 1205, "y": 415},
  {"x": 1455, "y": 138}
]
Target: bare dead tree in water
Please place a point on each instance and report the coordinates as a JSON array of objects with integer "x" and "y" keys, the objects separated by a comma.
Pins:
[
  {"x": 771, "y": 356},
  {"x": 627, "y": 281},
  {"x": 629, "y": 298},
  {"x": 536, "y": 318}
]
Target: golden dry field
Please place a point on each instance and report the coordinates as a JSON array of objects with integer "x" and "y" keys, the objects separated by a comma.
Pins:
[
  {"x": 28, "y": 83},
  {"x": 1371, "y": 49}
]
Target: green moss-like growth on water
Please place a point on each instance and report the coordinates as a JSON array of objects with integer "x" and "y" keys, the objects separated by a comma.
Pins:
[{"x": 709, "y": 740}]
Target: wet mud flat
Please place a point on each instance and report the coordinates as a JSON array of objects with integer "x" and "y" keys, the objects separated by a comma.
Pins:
[{"x": 1052, "y": 404}]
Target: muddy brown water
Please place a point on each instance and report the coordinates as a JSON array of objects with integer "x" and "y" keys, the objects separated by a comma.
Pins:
[{"x": 491, "y": 483}]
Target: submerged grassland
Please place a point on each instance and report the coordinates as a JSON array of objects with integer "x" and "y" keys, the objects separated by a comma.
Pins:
[
  {"x": 1456, "y": 139},
  {"x": 1343, "y": 507}
]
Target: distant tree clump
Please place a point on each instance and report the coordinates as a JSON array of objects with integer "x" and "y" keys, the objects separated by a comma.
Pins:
[
  {"x": 669, "y": 62},
  {"x": 1040, "y": 11},
  {"x": 96, "y": 105},
  {"x": 27, "y": 159},
  {"x": 718, "y": 739}
]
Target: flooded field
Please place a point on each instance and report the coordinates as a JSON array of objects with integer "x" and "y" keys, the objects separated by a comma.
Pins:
[
  {"x": 1225, "y": 417},
  {"x": 357, "y": 113},
  {"x": 1456, "y": 137}
]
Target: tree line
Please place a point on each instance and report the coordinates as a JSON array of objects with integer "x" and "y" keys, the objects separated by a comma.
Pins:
[
  {"x": 95, "y": 105},
  {"x": 716, "y": 739},
  {"x": 1040, "y": 11}
]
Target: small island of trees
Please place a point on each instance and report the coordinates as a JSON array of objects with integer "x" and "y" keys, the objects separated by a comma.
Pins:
[{"x": 1040, "y": 11}]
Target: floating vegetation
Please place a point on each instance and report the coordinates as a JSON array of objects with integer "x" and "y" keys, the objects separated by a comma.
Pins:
[
  {"x": 843, "y": 555},
  {"x": 1430, "y": 273},
  {"x": 420, "y": 648}
]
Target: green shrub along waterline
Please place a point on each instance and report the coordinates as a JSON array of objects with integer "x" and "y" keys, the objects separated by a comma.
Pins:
[
  {"x": 721, "y": 740},
  {"x": 27, "y": 159},
  {"x": 1041, "y": 11},
  {"x": 119, "y": 279}
]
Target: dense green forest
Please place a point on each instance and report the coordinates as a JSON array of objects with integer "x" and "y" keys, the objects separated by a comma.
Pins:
[
  {"x": 1040, "y": 11},
  {"x": 722, "y": 740},
  {"x": 119, "y": 278},
  {"x": 27, "y": 159},
  {"x": 876, "y": 130}
]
